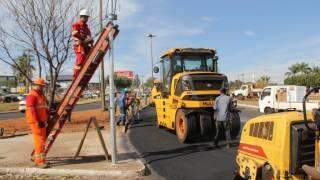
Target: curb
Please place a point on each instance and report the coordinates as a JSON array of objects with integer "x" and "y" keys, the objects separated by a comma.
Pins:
[
  {"x": 248, "y": 106},
  {"x": 74, "y": 173},
  {"x": 140, "y": 158}
]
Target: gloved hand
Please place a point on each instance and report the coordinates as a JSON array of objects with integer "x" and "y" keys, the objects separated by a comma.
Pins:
[
  {"x": 41, "y": 124},
  {"x": 88, "y": 40}
]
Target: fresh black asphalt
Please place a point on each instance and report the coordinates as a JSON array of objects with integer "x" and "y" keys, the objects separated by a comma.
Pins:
[{"x": 168, "y": 158}]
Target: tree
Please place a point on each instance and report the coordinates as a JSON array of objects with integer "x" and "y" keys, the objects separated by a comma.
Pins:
[
  {"x": 122, "y": 82},
  {"x": 315, "y": 69},
  {"x": 136, "y": 81},
  {"x": 25, "y": 63},
  {"x": 312, "y": 78},
  {"x": 263, "y": 81},
  {"x": 296, "y": 68},
  {"x": 235, "y": 84},
  {"x": 149, "y": 82},
  {"x": 43, "y": 27}
]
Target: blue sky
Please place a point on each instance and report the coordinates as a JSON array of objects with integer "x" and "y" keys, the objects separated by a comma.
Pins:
[{"x": 252, "y": 37}]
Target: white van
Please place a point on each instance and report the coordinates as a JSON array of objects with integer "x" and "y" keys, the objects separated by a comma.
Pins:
[{"x": 284, "y": 98}]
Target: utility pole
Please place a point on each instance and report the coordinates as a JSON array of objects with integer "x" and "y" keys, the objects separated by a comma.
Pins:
[
  {"x": 112, "y": 17},
  {"x": 102, "y": 82},
  {"x": 151, "y": 52}
]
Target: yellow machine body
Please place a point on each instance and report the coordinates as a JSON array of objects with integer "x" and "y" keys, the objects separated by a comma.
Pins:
[
  {"x": 190, "y": 82},
  {"x": 167, "y": 107},
  {"x": 276, "y": 146}
]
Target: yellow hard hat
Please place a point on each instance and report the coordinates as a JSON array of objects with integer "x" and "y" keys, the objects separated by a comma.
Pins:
[{"x": 39, "y": 81}]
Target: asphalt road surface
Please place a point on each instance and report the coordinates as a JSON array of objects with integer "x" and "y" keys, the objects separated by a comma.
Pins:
[
  {"x": 80, "y": 107},
  {"x": 166, "y": 157}
]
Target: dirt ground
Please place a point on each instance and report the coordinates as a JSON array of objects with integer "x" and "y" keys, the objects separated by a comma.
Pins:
[{"x": 78, "y": 122}]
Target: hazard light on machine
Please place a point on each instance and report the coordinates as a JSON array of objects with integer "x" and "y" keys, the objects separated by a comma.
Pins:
[{"x": 127, "y": 74}]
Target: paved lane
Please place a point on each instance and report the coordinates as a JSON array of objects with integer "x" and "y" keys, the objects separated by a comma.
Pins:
[
  {"x": 80, "y": 107},
  {"x": 172, "y": 160}
]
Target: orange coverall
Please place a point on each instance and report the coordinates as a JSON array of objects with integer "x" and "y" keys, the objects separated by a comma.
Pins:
[
  {"x": 37, "y": 112},
  {"x": 80, "y": 32}
]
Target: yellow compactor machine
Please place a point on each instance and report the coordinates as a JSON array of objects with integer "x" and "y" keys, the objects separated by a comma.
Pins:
[
  {"x": 185, "y": 94},
  {"x": 281, "y": 146}
]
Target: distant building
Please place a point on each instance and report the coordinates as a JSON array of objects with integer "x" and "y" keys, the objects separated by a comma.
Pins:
[
  {"x": 8, "y": 81},
  {"x": 62, "y": 78},
  {"x": 127, "y": 74}
]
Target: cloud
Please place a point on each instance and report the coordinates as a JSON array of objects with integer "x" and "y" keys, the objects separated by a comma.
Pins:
[
  {"x": 209, "y": 18},
  {"x": 193, "y": 31},
  {"x": 127, "y": 8},
  {"x": 249, "y": 33}
]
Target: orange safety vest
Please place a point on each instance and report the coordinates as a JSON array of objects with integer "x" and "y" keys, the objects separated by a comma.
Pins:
[
  {"x": 80, "y": 31},
  {"x": 41, "y": 107}
]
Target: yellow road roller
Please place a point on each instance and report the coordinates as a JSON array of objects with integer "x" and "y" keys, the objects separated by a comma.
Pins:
[{"x": 184, "y": 97}]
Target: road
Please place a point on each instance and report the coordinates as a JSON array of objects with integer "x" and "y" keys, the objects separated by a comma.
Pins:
[
  {"x": 166, "y": 157},
  {"x": 80, "y": 107}
]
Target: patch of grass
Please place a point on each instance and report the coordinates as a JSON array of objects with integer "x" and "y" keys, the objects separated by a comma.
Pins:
[{"x": 9, "y": 106}]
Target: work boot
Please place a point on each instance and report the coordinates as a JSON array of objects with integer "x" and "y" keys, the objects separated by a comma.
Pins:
[
  {"x": 311, "y": 171},
  {"x": 42, "y": 165},
  {"x": 228, "y": 146},
  {"x": 32, "y": 158},
  {"x": 215, "y": 145}
]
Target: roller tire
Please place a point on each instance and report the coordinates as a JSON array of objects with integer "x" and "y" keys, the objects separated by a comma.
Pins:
[
  {"x": 185, "y": 126},
  {"x": 235, "y": 124},
  {"x": 206, "y": 125}
]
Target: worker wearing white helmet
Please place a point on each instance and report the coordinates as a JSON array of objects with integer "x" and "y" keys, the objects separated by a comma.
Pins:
[{"x": 82, "y": 40}]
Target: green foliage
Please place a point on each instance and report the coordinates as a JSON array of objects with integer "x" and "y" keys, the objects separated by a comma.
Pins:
[
  {"x": 24, "y": 68},
  {"x": 303, "y": 75},
  {"x": 265, "y": 79},
  {"x": 122, "y": 82},
  {"x": 149, "y": 82},
  {"x": 311, "y": 79},
  {"x": 302, "y": 68}
]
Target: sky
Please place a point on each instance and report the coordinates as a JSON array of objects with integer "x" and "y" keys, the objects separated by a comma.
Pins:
[{"x": 252, "y": 37}]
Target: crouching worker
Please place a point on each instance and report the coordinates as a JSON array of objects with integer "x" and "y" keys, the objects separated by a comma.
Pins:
[{"x": 37, "y": 113}]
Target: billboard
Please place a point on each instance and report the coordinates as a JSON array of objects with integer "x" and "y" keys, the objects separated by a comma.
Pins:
[{"x": 127, "y": 74}]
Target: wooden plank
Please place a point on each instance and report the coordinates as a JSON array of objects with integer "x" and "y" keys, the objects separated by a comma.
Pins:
[
  {"x": 82, "y": 139},
  {"x": 106, "y": 154}
]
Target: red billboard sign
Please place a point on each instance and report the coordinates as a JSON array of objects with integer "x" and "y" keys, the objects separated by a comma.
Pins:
[{"x": 127, "y": 74}]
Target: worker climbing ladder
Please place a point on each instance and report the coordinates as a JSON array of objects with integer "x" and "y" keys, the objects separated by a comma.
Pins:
[{"x": 78, "y": 85}]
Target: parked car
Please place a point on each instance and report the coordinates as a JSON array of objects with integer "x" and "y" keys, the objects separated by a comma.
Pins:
[
  {"x": 88, "y": 94},
  {"x": 7, "y": 98},
  {"x": 22, "y": 103}
]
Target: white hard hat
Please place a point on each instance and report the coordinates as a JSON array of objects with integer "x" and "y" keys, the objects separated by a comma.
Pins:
[{"x": 84, "y": 12}]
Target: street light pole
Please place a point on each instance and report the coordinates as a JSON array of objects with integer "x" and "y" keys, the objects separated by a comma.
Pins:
[
  {"x": 102, "y": 82},
  {"x": 151, "y": 52},
  {"x": 112, "y": 17}
]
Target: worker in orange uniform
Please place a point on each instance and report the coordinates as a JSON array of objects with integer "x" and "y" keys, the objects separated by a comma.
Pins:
[
  {"x": 37, "y": 113},
  {"x": 82, "y": 40}
]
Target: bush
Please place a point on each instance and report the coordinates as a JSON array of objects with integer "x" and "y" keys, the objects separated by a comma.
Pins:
[{"x": 311, "y": 79}]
